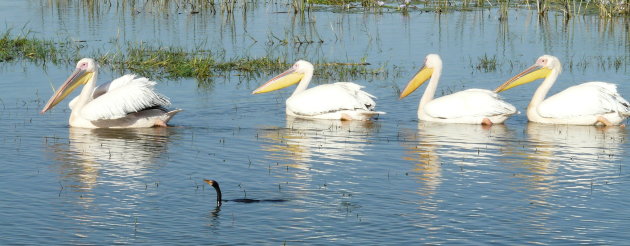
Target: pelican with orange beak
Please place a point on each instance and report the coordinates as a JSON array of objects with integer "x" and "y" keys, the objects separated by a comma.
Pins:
[
  {"x": 591, "y": 103},
  {"x": 337, "y": 101},
  {"x": 126, "y": 102},
  {"x": 472, "y": 106}
]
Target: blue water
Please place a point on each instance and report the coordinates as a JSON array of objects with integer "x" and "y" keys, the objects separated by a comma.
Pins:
[{"x": 392, "y": 181}]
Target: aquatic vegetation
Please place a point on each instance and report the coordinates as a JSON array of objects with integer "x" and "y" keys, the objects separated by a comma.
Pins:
[
  {"x": 603, "y": 63},
  {"x": 487, "y": 63},
  {"x": 176, "y": 62},
  {"x": 569, "y": 8},
  {"x": 610, "y": 8},
  {"x": 35, "y": 50},
  {"x": 363, "y": 3},
  {"x": 168, "y": 61}
]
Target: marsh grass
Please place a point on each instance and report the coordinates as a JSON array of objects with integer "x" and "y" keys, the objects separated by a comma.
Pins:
[
  {"x": 300, "y": 6},
  {"x": 569, "y": 8},
  {"x": 603, "y": 63},
  {"x": 486, "y": 63},
  {"x": 168, "y": 61},
  {"x": 23, "y": 47},
  {"x": 176, "y": 62},
  {"x": 362, "y": 3},
  {"x": 610, "y": 8},
  {"x": 490, "y": 64}
]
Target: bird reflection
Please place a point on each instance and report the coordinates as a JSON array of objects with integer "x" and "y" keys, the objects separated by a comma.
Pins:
[
  {"x": 571, "y": 147},
  {"x": 325, "y": 140},
  {"x": 550, "y": 147},
  {"x": 121, "y": 155},
  {"x": 556, "y": 157},
  {"x": 436, "y": 144},
  {"x": 571, "y": 141}
]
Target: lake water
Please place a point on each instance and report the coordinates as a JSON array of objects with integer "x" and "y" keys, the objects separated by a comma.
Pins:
[{"x": 391, "y": 181}]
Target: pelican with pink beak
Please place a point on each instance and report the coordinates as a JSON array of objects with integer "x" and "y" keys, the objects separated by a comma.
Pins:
[
  {"x": 591, "y": 103},
  {"x": 126, "y": 102}
]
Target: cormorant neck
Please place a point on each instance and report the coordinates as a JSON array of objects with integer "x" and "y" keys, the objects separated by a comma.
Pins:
[{"x": 216, "y": 187}]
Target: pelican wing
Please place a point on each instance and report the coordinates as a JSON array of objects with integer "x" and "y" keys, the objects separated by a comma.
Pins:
[
  {"x": 122, "y": 96},
  {"x": 468, "y": 103},
  {"x": 118, "y": 83},
  {"x": 330, "y": 98},
  {"x": 592, "y": 98}
]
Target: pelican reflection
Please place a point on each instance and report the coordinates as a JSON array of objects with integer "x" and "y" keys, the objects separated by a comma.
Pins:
[
  {"x": 328, "y": 141},
  {"x": 567, "y": 153},
  {"x": 558, "y": 158},
  {"x": 437, "y": 144},
  {"x": 572, "y": 146},
  {"x": 436, "y": 147},
  {"x": 120, "y": 155}
]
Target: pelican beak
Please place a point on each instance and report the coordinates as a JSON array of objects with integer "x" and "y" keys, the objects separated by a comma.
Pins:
[
  {"x": 78, "y": 77},
  {"x": 528, "y": 75},
  {"x": 422, "y": 76},
  {"x": 285, "y": 79}
]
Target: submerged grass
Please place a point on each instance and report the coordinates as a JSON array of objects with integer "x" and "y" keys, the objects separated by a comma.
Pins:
[
  {"x": 168, "y": 62},
  {"x": 570, "y": 8},
  {"x": 487, "y": 63},
  {"x": 176, "y": 62},
  {"x": 35, "y": 50}
]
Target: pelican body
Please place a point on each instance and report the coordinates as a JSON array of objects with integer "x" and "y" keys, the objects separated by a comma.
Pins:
[
  {"x": 591, "y": 103},
  {"x": 337, "y": 101},
  {"x": 126, "y": 102},
  {"x": 472, "y": 106}
]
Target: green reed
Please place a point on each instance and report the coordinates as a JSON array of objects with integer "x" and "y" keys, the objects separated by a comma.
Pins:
[
  {"x": 486, "y": 63},
  {"x": 569, "y": 8},
  {"x": 22, "y": 47},
  {"x": 167, "y": 61}
]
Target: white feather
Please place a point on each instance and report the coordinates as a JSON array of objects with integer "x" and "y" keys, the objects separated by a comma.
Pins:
[
  {"x": 122, "y": 96},
  {"x": 592, "y": 98},
  {"x": 468, "y": 103},
  {"x": 330, "y": 98},
  {"x": 472, "y": 106}
]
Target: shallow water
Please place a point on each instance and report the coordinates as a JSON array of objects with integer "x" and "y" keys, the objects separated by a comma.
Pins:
[{"x": 391, "y": 181}]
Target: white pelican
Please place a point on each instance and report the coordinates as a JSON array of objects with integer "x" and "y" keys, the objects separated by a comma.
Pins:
[
  {"x": 472, "y": 106},
  {"x": 337, "y": 101},
  {"x": 590, "y": 103},
  {"x": 126, "y": 102}
]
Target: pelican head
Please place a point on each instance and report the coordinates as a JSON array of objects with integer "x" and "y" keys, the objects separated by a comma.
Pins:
[
  {"x": 84, "y": 72},
  {"x": 289, "y": 77},
  {"x": 543, "y": 67},
  {"x": 431, "y": 62}
]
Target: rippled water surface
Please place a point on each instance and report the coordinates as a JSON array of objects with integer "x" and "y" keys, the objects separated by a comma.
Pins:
[{"x": 391, "y": 181}]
